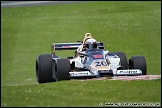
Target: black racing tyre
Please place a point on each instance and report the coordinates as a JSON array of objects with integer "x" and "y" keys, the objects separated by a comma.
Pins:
[
  {"x": 54, "y": 74},
  {"x": 44, "y": 68},
  {"x": 138, "y": 62},
  {"x": 62, "y": 69},
  {"x": 122, "y": 56}
]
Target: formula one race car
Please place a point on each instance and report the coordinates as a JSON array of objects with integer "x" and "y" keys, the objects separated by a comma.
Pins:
[{"x": 90, "y": 63}]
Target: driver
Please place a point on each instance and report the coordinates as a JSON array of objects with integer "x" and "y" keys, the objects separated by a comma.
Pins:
[{"x": 88, "y": 43}]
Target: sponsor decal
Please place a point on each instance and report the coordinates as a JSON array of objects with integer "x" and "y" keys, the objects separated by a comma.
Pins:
[
  {"x": 78, "y": 73},
  {"x": 127, "y": 71},
  {"x": 97, "y": 56},
  {"x": 66, "y": 46}
]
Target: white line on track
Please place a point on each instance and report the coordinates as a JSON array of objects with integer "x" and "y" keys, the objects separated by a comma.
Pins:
[{"x": 24, "y": 2}]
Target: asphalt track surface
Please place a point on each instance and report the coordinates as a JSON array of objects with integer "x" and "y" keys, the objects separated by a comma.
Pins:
[
  {"x": 8, "y": 4},
  {"x": 126, "y": 78}
]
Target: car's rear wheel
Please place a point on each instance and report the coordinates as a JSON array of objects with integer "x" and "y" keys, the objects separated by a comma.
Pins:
[
  {"x": 43, "y": 68},
  {"x": 122, "y": 56},
  {"x": 138, "y": 62}
]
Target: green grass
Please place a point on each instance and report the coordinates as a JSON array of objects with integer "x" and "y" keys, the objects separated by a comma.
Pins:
[
  {"x": 81, "y": 93},
  {"x": 131, "y": 27}
]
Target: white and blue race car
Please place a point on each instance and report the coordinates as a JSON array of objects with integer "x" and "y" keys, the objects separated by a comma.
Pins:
[{"x": 91, "y": 63}]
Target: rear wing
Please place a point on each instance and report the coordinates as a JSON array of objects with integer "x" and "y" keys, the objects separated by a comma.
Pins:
[{"x": 70, "y": 46}]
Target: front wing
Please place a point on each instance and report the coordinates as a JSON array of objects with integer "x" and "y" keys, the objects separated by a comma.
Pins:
[{"x": 115, "y": 73}]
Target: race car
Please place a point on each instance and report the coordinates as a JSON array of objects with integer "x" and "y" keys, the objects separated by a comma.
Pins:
[{"x": 89, "y": 63}]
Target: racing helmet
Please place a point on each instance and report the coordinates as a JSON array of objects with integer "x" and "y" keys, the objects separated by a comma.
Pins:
[{"x": 91, "y": 43}]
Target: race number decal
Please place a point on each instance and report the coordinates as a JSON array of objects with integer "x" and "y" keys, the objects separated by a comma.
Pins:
[{"x": 101, "y": 63}]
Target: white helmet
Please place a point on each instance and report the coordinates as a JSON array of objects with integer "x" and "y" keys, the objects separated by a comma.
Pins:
[{"x": 91, "y": 43}]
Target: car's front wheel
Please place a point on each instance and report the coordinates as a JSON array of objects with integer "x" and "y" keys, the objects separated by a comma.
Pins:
[
  {"x": 43, "y": 68},
  {"x": 138, "y": 62}
]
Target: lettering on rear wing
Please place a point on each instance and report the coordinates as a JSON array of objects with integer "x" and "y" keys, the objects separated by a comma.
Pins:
[{"x": 64, "y": 46}]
